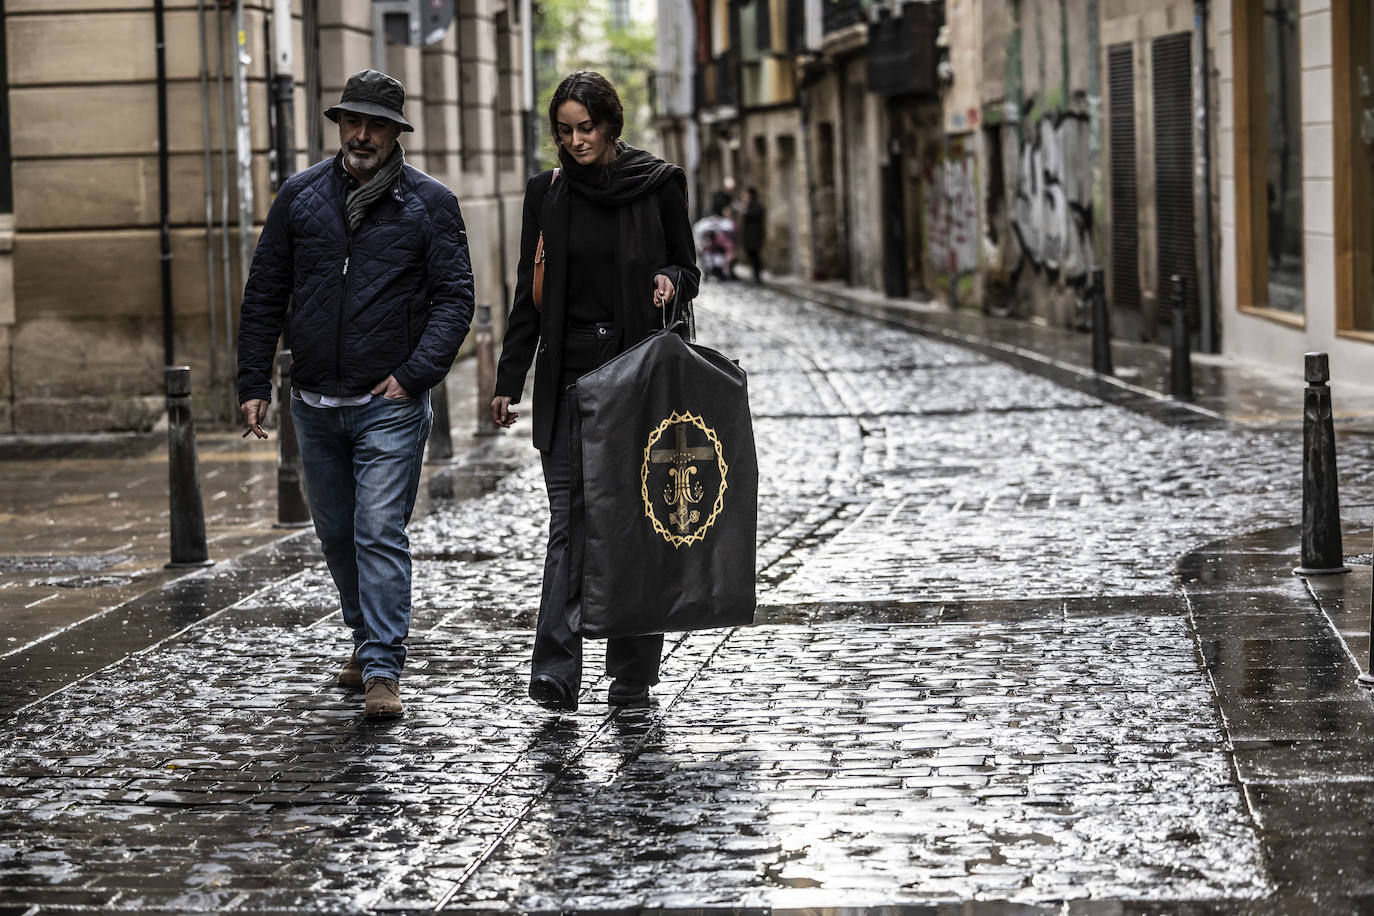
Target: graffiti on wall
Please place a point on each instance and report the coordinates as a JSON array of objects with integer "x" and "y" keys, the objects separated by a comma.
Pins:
[
  {"x": 951, "y": 213},
  {"x": 1052, "y": 213}
]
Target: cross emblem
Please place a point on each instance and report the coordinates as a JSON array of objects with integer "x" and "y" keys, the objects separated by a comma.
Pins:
[{"x": 682, "y": 491}]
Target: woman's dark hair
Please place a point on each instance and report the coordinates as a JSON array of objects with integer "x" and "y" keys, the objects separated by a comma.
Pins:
[{"x": 599, "y": 97}]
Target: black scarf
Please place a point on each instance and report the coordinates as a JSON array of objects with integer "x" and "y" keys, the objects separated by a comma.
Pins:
[
  {"x": 634, "y": 174},
  {"x": 359, "y": 199}
]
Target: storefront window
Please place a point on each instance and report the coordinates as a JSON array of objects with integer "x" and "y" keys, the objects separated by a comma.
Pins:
[
  {"x": 1355, "y": 124},
  {"x": 1269, "y": 174},
  {"x": 1284, "y": 155}
]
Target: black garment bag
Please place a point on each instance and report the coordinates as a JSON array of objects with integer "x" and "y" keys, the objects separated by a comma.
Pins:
[{"x": 664, "y": 502}]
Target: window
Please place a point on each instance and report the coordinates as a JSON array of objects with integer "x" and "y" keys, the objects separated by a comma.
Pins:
[
  {"x": 1269, "y": 156},
  {"x": 6, "y": 176},
  {"x": 1353, "y": 106}
]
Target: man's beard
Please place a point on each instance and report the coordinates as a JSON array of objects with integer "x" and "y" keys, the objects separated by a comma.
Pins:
[{"x": 365, "y": 159}]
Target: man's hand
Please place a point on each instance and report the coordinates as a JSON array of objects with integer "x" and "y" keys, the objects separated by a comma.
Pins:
[
  {"x": 501, "y": 413},
  {"x": 254, "y": 413},
  {"x": 390, "y": 388}
]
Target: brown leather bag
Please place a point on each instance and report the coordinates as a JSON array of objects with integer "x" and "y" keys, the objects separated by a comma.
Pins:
[{"x": 539, "y": 257}]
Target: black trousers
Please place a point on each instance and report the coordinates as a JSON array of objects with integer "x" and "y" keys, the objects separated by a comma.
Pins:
[
  {"x": 632, "y": 661},
  {"x": 755, "y": 256}
]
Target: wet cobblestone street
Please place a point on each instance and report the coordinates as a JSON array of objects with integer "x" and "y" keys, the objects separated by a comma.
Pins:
[{"x": 973, "y": 678}]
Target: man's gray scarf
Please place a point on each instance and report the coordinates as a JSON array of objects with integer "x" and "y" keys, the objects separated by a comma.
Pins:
[{"x": 359, "y": 199}]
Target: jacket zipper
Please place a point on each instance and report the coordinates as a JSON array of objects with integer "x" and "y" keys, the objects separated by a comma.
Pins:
[{"x": 339, "y": 331}]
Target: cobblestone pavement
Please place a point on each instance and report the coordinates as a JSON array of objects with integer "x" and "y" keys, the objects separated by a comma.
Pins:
[{"x": 972, "y": 679}]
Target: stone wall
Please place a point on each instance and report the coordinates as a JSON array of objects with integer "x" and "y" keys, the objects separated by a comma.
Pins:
[{"x": 81, "y": 347}]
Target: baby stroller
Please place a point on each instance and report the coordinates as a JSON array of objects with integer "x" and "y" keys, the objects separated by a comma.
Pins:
[{"x": 715, "y": 236}]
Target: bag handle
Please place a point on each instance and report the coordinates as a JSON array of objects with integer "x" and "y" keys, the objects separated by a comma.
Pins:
[
  {"x": 540, "y": 256},
  {"x": 677, "y": 319}
]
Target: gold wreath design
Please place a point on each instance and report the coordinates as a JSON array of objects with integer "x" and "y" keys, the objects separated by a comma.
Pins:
[{"x": 700, "y": 533}]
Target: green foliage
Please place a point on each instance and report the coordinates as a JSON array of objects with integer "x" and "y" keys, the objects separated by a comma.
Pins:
[{"x": 574, "y": 35}]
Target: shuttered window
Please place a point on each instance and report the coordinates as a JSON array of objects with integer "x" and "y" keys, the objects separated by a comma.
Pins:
[
  {"x": 1175, "y": 234},
  {"x": 1125, "y": 207}
]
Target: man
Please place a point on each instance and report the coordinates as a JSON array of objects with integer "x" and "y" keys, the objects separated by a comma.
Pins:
[{"x": 373, "y": 257}]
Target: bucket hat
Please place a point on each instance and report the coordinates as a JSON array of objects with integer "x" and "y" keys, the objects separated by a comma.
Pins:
[{"x": 372, "y": 92}]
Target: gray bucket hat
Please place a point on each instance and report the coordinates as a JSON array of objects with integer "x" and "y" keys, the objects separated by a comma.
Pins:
[{"x": 372, "y": 92}]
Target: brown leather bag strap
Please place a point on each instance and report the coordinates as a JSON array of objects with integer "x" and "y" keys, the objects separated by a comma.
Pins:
[{"x": 539, "y": 257}]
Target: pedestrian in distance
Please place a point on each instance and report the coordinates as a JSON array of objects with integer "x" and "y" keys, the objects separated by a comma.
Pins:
[
  {"x": 752, "y": 230},
  {"x": 606, "y": 203},
  {"x": 723, "y": 199},
  {"x": 373, "y": 257}
]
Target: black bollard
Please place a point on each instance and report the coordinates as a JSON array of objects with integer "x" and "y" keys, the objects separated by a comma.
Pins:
[
  {"x": 1181, "y": 363},
  {"x": 1321, "y": 505},
  {"x": 183, "y": 474},
  {"x": 440, "y": 434},
  {"x": 485, "y": 344},
  {"x": 292, "y": 509},
  {"x": 1102, "y": 332}
]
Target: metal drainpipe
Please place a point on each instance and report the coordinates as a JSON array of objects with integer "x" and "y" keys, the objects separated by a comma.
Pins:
[
  {"x": 530, "y": 126},
  {"x": 283, "y": 89},
  {"x": 211, "y": 293},
  {"x": 1202, "y": 93},
  {"x": 243, "y": 146},
  {"x": 164, "y": 207},
  {"x": 231, "y": 389}
]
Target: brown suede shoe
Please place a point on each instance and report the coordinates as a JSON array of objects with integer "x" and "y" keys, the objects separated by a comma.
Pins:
[
  {"x": 383, "y": 699},
  {"x": 351, "y": 675}
]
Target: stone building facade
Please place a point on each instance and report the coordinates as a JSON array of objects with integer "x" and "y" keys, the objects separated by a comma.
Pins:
[
  {"x": 81, "y": 319},
  {"x": 1295, "y": 158}
]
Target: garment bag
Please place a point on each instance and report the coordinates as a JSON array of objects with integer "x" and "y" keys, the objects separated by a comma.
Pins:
[{"x": 664, "y": 502}]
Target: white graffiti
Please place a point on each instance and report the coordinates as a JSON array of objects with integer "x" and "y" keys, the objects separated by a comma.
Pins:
[
  {"x": 1052, "y": 213},
  {"x": 951, "y": 217}
]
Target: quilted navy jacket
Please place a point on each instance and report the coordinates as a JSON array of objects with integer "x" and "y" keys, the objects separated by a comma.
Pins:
[{"x": 392, "y": 298}]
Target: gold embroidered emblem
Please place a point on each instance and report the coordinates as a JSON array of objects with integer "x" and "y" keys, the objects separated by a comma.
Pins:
[{"x": 673, "y": 495}]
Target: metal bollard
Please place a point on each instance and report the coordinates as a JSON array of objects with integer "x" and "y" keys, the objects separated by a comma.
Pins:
[
  {"x": 1181, "y": 362},
  {"x": 440, "y": 449},
  {"x": 1102, "y": 332},
  {"x": 183, "y": 474},
  {"x": 1321, "y": 506},
  {"x": 485, "y": 345},
  {"x": 293, "y": 511}
]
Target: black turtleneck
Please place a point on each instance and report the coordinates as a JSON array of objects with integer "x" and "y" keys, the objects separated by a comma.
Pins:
[{"x": 593, "y": 237}]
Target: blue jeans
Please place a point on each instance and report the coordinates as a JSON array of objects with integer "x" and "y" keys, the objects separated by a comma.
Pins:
[{"x": 362, "y": 471}]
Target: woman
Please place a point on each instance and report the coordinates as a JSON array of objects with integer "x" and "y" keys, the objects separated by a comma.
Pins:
[{"x": 618, "y": 247}]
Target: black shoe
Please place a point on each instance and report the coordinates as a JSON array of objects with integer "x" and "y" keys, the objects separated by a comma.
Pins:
[
  {"x": 627, "y": 695},
  {"x": 551, "y": 695}
]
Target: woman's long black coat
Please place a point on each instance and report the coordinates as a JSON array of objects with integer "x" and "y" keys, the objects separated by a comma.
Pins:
[{"x": 655, "y": 237}]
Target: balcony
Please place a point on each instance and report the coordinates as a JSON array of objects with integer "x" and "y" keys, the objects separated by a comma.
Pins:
[
  {"x": 841, "y": 14},
  {"x": 717, "y": 82}
]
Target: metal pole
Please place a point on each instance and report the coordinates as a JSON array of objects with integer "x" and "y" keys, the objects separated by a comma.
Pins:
[
  {"x": 527, "y": 84},
  {"x": 283, "y": 89},
  {"x": 440, "y": 449},
  {"x": 163, "y": 199},
  {"x": 484, "y": 342},
  {"x": 230, "y": 294},
  {"x": 1102, "y": 332},
  {"x": 1321, "y": 507},
  {"x": 293, "y": 511},
  {"x": 1181, "y": 364},
  {"x": 211, "y": 294},
  {"x": 183, "y": 474},
  {"x": 243, "y": 146},
  {"x": 1207, "y": 327}
]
